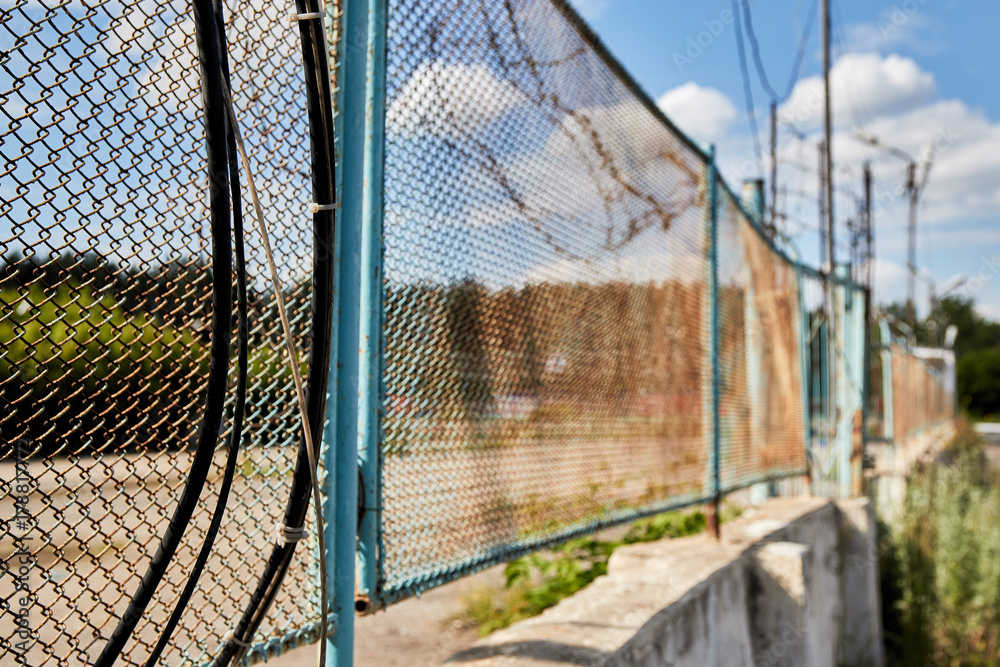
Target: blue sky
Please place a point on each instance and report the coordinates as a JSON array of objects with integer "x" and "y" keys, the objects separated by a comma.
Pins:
[{"x": 914, "y": 73}]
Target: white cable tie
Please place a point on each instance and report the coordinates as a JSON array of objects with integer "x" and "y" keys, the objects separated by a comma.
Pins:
[
  {"x": 231, "y": 637},
  {"x": 295, "y": 16},
  {"x": 286, "y": 535},
  {"x": 316, "y": 208}
]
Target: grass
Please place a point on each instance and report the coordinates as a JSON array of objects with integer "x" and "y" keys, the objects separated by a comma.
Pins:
[
  {"x": 540, "y": 580},
  {"x": 940, "y": 566}
]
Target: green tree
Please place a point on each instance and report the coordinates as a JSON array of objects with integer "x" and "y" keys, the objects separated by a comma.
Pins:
[
  {"x": 977, "y": 350},
  {"x": 978, "y": 379}
]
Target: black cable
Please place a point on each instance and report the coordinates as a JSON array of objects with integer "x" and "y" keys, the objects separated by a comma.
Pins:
[
  {"x": 747, "y": 92},
  {"x": 222, "y": 316},
  {"x": 243, "y": 337},
  {"x": 797, "y": 63},
  {"x": 320, "y": 112}
]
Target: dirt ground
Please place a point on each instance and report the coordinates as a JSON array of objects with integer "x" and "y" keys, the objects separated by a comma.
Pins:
[{"x": 414, "y": 633}]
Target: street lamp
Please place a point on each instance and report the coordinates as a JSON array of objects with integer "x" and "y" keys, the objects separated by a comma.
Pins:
[
  {"x": 935, "y": 294},
  {"x": 914, "y": 188}
]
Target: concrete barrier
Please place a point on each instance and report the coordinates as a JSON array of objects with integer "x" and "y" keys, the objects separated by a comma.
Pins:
[{"x": 794, "y": 582}]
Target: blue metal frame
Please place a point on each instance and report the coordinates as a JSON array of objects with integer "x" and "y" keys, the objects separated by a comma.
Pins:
[
  {"x": 371, "y": 389},
  {"x": 414, "y": 586},
  {"x": 712, "y": 177},
  {"x": 341, "y": 455},
  {"x": 885, "y": 338},
  {"x": 353, "y": 428}
]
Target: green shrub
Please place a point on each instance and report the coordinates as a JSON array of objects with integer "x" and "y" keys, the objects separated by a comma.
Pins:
[
  {"x": 978, "y": 376},
  {"x": 941, "y": 567}
]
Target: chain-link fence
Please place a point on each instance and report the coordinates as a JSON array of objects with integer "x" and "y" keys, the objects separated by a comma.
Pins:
[
  {"x": 105, "y": 323},
  {"x": 762, "y": 427},
  {"x": 919, "y": 393},
  {"x": 580, "y": 323},
  {"x": 835, "y": 315},
  {"x": 547, "y": 310}
]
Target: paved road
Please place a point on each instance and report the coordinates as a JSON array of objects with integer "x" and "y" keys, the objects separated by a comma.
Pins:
[
  {"x": 102, "y": 518},
  {"x": 991, "y": 434}
]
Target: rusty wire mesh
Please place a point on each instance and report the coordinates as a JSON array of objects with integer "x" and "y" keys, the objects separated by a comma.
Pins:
[
  {"x": 106, "y": 309},
  {"x": 547, "y": 366},
  {"x": 761, "y": 422},
  {"x": 920, "y": 397}
]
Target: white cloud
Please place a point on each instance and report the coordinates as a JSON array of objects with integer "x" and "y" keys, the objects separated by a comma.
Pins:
[
  {"x": 965, "y": 146},
  {"x": 261, "y": 44},
  {"x": 894, "y": 28},
  {"x": 989, "y": 311},
  {"x": 655, "y": 267},
  {"x": 449, "y": 100},
  {"x": 868, "y": 83},
  {"x": 890, "y": 280},
  {"x": 962, "y": 193},
  {"x": 703, "y": 113},
  {"x": 604, "y": 175},
  {"x": 590, "y": 9}
]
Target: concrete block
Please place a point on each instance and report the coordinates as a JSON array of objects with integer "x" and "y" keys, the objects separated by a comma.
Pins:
[
  {"x": 861, "y": 630},
  {"x": 780, "y": 578}
]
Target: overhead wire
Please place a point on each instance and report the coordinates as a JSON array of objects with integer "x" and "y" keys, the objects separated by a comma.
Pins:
[
  {"x": 776, "y": 98},
  {"x": 796, "y": 63},
  {"x": 840, "y": 37},
  {"x": 747, "y": 90}
]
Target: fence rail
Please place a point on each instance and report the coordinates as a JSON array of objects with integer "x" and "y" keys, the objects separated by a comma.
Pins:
[{"x": 566, "y": 319}]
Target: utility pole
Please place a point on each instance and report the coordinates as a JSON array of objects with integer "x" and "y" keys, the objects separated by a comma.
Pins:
[
  {"x": 774, "y": 168},
  {"x": 823, "y": 257},
  {"x": 783, "y": 214},
  {"x": 914, "y": 188},
  {"x": 826, "y": 131},
  {"x": 869, "y": 253},
  {"x": 911, "y": 260},
  {"x": 835, "y": 358}
]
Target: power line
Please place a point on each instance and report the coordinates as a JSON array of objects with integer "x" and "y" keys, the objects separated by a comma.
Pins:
[
  {"x": 840, "y": 36},
  {"x": 796, "y": 64},
  {"x": 747, "y": 92}
]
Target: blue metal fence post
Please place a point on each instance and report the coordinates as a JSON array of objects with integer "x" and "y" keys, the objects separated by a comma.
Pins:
[
  {"x": 341, "y": 456},
  {"x": 866, "y": 387},
  {"x": 329, "y": 445},
  {"x": 841, "y": 358},
  {"x": 713, "y": 306},
  {"x": 885, "y": 342},
  {"x": 805, "y": 345},
  {"x": 372, "y": 310}
]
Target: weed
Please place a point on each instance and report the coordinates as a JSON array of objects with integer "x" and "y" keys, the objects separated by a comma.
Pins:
[
  {"x": 538, "y": 581},
  {"x": 941, "y": 567}
]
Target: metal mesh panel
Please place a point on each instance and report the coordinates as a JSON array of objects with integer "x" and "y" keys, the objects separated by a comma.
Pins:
[
  {"x": 760, "y": 391},
  {"x": 545, "y": 291},
  {"x": 106, "y": 308},
  {"x": 920, "y": 398},
  {"x": 835, "y": 380},
  {"x": 816, "y": 305}
]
